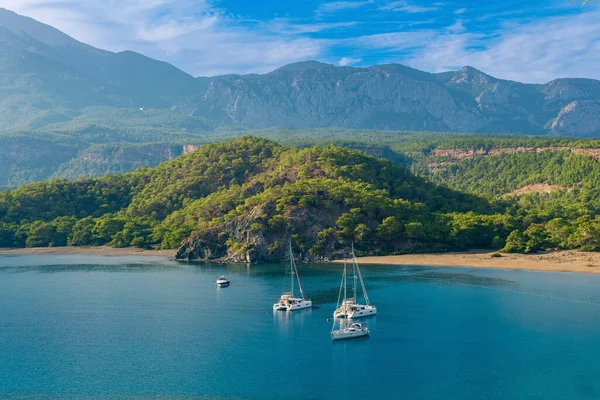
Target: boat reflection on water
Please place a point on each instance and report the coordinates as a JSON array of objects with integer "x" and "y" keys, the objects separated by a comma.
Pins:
[{"x": 287, "y": 322}]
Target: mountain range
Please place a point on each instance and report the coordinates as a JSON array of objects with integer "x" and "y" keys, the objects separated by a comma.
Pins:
[{"x": 48, "y": 78}]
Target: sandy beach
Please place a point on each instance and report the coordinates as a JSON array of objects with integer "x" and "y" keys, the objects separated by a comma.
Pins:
[
  {"x": 90, "y": 250},
  {"x": 557, "y": 261}
]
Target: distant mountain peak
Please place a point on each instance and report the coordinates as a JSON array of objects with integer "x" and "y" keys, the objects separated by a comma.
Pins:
[
  {"x": 469, "y": 69},
  {"x": 302, "y": 65},
  {"x": 401, "y": 69},
  {"x": 46, "y": 34},
  {"x": 391, "y": 65},
  {"x": 4, "y": 11},
  {"x": 470, "y": 75}
]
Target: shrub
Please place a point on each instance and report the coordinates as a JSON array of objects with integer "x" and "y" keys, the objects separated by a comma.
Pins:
[{"x": 498, "y": 243}]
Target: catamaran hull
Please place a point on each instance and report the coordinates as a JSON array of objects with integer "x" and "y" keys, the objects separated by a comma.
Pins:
[
  {"x": 342, "y": 335},
  {"x": 292, "y": 307},
  {"x": 368, "y": 311},
  {"x": 299, "y": 306}
]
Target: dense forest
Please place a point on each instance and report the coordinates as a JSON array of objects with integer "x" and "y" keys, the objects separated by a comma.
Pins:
[
  {"x": 277, "y": 191},
  {"x": 242, "y": 199},
  {"x": 102, "y": 141}
]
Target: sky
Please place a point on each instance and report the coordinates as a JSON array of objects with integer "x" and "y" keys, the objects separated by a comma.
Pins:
[{"x": 527, "y": 41}]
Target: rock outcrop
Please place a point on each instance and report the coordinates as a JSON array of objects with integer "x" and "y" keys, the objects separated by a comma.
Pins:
[
  {"x": 248, "y": 238},
  {"x": 580, "y": 117}
]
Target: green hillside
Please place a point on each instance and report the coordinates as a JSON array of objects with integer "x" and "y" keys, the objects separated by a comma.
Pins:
[{"x": 243, "y": 198}]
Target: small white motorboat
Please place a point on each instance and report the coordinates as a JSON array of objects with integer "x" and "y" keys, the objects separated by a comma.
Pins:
[
  {"x": 223, "y": 281},
  {"x": 355, "y": 330}
]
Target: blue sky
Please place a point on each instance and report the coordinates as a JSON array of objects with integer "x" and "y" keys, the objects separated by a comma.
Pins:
[{"x": 533, "y": 41}]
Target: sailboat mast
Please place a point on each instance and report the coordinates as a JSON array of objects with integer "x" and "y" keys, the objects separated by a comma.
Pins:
[
  {"x": 345, "y": 280},
  {"x": 354, "y": 281},
  {"x": 341, "y": 286},
  {"x": 295, "y": 271},
  {"x": 291, "y": 270},
  {"x": 340, "y": 293},
  {"x": 362, "y": 283},
  {"x": 354, "y": 274}
]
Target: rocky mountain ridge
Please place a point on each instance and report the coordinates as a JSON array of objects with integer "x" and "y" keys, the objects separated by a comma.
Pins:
[
  {"x": 43, "y": 72},
  {"x": 313, "y": 95}
]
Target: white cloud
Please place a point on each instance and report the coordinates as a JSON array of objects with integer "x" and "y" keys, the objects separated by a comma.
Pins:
[
  {"x": 566, "y": 46},
  {"x": 203, "y": 40},
  {"x": 115, "y": 24},
  {"x": 236, "y": 52},
  {"x": 393, "y": 42},
  {"x": 346, "y": 61},
  {"x": 287, "y": 27},
  {"x": 423, "y": 22},
  {"x": 460, "y": 11},
  {"x": 549, "y": 48},
  {"x": 339, "y": 6},
  {"x": 173, "y": 29},
  {"x": 404, "y": 6},
  {"x": 191, "y": 34},
  {"x": 457, "y": 27}
]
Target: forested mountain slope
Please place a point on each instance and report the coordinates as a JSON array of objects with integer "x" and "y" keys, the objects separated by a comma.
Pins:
[
  {"x": 496, "y": 166},
  {"x": 241, "y": 200}
]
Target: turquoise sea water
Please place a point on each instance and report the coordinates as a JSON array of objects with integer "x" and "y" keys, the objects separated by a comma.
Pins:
[{"x": 130, "y": 327}]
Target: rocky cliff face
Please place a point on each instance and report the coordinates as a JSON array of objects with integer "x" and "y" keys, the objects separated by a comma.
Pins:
[
  {"x": 309, "y": 95},
  {"x": 578, "y": 118},
  {"x": 323, "y": 95},
  {"x": 237, "y": 241},
  {"x": 119, "y": 158}
]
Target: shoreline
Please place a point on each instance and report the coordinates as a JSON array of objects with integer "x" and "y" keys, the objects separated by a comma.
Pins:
[
  {"x": 554, "y": 261},
  {"x": 89, "y": 250}
]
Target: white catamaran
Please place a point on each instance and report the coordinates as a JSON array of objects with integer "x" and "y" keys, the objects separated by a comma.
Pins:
[
  {"x": 350, "y": 308},
  {"x": 347, "y": 330},
  {"x": 287, "y": 301}
]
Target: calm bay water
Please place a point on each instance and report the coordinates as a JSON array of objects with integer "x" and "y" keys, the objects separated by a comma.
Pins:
[{"x": 132, "y": 327}]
